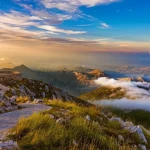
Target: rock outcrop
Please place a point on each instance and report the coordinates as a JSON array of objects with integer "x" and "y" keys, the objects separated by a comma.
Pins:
[
  {"x": 8, "y": 104},
  {"x": 89, "y": 77},
  {"x": 35, "y": 89},
  {"x": 133, "y": 129},
  {"x": 128, "y": 79}
]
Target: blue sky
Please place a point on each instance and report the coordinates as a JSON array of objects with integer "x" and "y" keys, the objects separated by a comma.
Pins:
[{"x": 74, "y": 26}]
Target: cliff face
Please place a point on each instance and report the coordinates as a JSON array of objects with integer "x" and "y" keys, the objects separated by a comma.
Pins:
[
  {"x": 128, "y": 79},
  {"x": 89, "y": 77}
]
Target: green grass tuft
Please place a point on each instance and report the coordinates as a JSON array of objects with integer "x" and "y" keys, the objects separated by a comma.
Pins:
[{"x": 40, "y": 131}]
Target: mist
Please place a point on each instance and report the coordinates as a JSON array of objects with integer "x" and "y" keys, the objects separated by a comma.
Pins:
[
  {"x": 132, "y": 88},
  {"x": 138, "y": 98},
  {"x": 126, "y": 104}
]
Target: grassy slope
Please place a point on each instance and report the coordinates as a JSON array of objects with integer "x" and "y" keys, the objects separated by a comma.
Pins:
[
  {"x": 39, "y": 131},
  {"x": 141, "y": 117},
  {"x": 104, "y": 92}
]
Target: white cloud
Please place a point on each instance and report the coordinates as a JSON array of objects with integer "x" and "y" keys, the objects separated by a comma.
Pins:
[
  {"x": 73, "y": 5},
  {"x": 127, "y": 104},
  {"x": 15, "y": 23},
  {"x": 18, "y": 19},
  {"x": 57, "y": 30},
  {"x": 84, "y": 25},
  {"x": 104, "y": 25},
  {"x": 8, "y": 29},
  {"x": 131, "y": 87}
]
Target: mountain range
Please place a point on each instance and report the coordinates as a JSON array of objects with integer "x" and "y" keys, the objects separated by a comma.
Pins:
[
  {"x": 76, "y": 81},
  {"x": 7, "y": 65}
]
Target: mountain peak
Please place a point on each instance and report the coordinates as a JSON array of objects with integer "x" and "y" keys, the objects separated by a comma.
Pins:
[{"x": 22, "y": 67}]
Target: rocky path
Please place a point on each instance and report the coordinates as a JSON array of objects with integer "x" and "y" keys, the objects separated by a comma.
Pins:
[{"x": 8, "y": 120}]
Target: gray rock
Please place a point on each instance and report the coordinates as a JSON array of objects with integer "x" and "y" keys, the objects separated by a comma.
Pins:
[
  {"x": 142, "y": 147},
  {"x": 129, "y": 126},
  {"x": 120, "y": 138},
  {"x": 51, "y": 116},
  {"x": 38, "y": 101},
  {"x": 9, "y": 145},
  {"x": 75, "y": 143},
  {"x": 88, "y": 118},
  {"x": 60, "y": 120},
  {"x": 8, "y": 104}
]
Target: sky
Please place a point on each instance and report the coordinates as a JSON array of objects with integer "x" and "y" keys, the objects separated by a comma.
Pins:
[{"x": 44, "y": 30}]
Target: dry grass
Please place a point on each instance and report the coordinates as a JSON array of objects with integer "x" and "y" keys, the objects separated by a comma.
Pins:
[
  {"x": 40, "y": 132},
  {"x": 22, "y": 99}
]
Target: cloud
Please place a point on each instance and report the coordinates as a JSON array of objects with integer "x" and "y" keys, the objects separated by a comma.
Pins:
[
  {"x": 39, "y": 22},
  {"x": 73, "y": 5},
  {"x": 141, "y": 96},
  {"x": 15, "y": 18},
  {"x": 57, "y": 30},
  {"x": 104, "y": 26},
  {"x": 18, "y": 23},
  {"x": 132, "y": 88},
  {"x": 85, "y": 25},
  {"x": 126, "y": 104}
]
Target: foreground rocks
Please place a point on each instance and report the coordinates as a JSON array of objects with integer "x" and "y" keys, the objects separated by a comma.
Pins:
[
  {"x": 8, "y": 104},
  {"x": 133, "y": 129},
  {"x": 6, "y": 144}
]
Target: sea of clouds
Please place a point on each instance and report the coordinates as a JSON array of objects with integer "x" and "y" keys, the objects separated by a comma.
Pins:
[{"x": 141, "y": 96}]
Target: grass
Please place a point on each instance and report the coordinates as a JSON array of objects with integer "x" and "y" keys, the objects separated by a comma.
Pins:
[
  {"x": 22, "y": 99},
  {"x": 2, "y": 104},
  {"x": 40, "y": 131},
  {"x": 141, "y": 117},
  {"x": 104, "y": 92}
]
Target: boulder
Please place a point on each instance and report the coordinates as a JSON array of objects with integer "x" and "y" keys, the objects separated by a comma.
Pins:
[
  {"x": 8, "y": 104},
  {"x": 129, "y": 126},
  {"x": 60, "y": 120},
  {"x": 120, "y": 138},
  {"x": 38, "y": 101},
  {"x": 9, "y": 145},
  {"x": 142, "y": 147},
  {"x": 51, "y": 116},
  {"x": 88, "y": 118}
]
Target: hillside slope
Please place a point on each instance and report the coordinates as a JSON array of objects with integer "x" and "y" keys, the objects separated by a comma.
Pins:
[
  {"x": 36, "y": 89},
  {"x": 104, "y": 92},
  {"x": 76, "y": 81},
  {"x": 70, "y": 126}
]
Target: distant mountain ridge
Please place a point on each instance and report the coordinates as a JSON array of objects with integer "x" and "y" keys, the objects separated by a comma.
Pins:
[
  {"x": 6, "y": 65},
  {"x": 27, "y": 72},
  {"x": 76, "y": 80}
]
